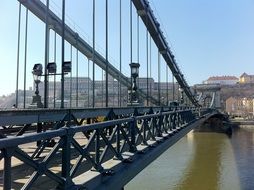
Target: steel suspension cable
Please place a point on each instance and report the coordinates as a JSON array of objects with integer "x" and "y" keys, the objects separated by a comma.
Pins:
[
  {"x": 18, "y": 50},
  {"x": 147, "y": 70},
  {"x": 150, "y": 63},
  {"x": 159, "y": 78},
  {"x": 93, "y": 53},
  {"x": 138, "y": 45},
  {"x": 167, "y": 82},
  {"x": 55, "y": 75},
  {"x": 102, "y": 88},
  {"x": 131, "y": 45},
  {"x": 25, "y": 58},
  {"x": 173, "y": 81},
  {"x": 88, "y": 83},
  {"x": 62, "y": 72},
  {"x": 106, "y": 53},
  {"x": 46, "y": 58},
  {"x": 77, "y": 78},
  {"x": 71, "y": 78},
  {"x": 120, "y": 54}
]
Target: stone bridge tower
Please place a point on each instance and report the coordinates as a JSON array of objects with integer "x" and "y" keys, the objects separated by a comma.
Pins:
[{"x": 208, "y": 95}]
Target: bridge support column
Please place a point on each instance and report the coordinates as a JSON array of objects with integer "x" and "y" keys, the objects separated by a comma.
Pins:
[
  {"x": 66, "y": 157},
  {"x": 7, "y": 169},
  {"x": 39, "y": 130},
  {"x": 133, "y": 135}
]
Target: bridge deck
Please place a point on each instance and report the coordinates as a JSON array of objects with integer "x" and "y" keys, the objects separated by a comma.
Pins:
[
  {"x": 124, "y": 172},
  {"x": 124, "y": 169}
]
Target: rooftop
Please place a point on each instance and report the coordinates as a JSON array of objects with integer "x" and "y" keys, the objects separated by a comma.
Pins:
[
  {"x": 246, "y": 75},
  {"x": 222, "y": 78}
]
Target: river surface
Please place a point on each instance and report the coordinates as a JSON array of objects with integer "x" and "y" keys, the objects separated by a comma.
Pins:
[{"x": 203, "y": 161}]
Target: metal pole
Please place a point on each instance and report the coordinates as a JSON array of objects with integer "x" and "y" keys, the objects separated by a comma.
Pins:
[
  {"x": 138, "y": 43},
  {"x": 178, "y": 95},
  {"x": 113, "y": 93},
  {"x": 62, "y": 73},
  {"x": 159, "y": 78},
  {"x": 173, "y": 81},
  {"x": 150, "y": 62},
  {"x": 18, "y": 48},
  {"x": 137, "y": 38},
  {"x": 25, "y": 59},
  {"x": 147, "y": 70},
  {"x": 88, "y": 83},
  {"x": 55, "y": 75},
  {"x": 77, "y": 77},
  {"x": 71, "y": 81},
  {"x": 93, "y": 53},
  {"x": 131, "y": 31},
  {"x": 131, "y": 45},
  {"x": 46, "y": 59},
  {"x": 167, "y": 81},
  {"x": 120, "y": 52},
  {"x": 102, "y": 88},
  {"x": 106, "y": 53}
]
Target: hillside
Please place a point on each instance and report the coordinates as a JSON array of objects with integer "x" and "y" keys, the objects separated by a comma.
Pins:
[{"x": 238, "y": 90}]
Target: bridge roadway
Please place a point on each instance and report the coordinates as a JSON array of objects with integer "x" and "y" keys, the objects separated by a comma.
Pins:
[{"x": 81, "y": 157}]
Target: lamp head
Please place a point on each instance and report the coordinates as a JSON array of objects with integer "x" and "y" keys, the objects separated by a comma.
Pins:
[
  {"x": 134, "y": 69},
  {"x": 51, "y": 67},
  {"x": 67, "y": 67},
  {"x": 37, "y": 71}
]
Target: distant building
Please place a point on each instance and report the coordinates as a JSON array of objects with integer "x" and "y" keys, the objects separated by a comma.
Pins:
[
  {"x": 79, "y": 91},
  {"x": 245, "y": 78},
  {"x": 142, "y": 83},
  {"x": 242, "y": 107},
  {"x": 223, "y": 80}
]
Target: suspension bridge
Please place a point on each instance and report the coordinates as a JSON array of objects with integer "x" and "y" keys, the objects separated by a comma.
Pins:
[{"x": 90, "y": 133}]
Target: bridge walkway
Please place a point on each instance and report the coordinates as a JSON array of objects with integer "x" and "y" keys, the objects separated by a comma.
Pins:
[{"x": 131, "y": 141}]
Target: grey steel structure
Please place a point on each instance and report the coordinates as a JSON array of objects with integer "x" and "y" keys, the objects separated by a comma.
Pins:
[
  {"x": 134, "y": 137},
  {"x": 153, "y": 26},
  {"x": 97, "y": 148},
  {"x": 39, "y": 9},
  {"x": 145, "y": 12}
]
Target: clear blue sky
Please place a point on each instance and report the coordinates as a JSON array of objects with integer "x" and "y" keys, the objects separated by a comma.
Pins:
[{"x": 208, "y": 38}]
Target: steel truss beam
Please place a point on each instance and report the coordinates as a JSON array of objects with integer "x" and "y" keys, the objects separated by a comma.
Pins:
[
  {"x": 95, "y": 145},
  {"x": 145, "y": 12}
]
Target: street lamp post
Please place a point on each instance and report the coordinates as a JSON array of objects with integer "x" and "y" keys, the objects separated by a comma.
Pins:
[
  {"x": 132, "y": 92},
  {"x": 37, "y": 73},
  {"x": 52, "y": 67}
]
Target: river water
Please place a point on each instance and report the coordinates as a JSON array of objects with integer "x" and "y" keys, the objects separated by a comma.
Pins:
[{"x": 203, "y": 161}]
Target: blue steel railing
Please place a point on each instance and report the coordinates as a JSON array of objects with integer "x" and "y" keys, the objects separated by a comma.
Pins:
[{"x": 90, "y": 145}]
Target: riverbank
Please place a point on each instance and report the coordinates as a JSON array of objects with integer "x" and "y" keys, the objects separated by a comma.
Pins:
[{"x": 239, "y": 122}]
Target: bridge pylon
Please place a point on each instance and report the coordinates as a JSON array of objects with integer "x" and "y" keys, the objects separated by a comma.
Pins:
[{"x": 208, "y": 95}]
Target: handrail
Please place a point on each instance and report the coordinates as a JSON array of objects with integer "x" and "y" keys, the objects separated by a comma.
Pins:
[{"x": 114, "y": 137}]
